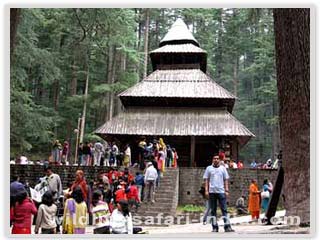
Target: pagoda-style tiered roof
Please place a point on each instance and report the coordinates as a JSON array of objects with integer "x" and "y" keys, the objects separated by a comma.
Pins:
[
  {"x": 178, "y": 87},
  {"x": 176, "y": 122},
  {"x": 178, "y": 98}
]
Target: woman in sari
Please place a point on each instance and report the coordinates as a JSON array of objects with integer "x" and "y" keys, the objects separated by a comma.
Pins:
[{"x": 254, "y": 200}]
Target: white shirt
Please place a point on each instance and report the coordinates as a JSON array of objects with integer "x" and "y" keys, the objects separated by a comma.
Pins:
[
  {"x": 120, "y": 223},
  {"x": 235, "y": 165},
  {"x": 23, "y": 160},
  {"x": 98, "y": 147},
  {"x": 216, "y": 177},
  {"x": 151, "y": 173}
]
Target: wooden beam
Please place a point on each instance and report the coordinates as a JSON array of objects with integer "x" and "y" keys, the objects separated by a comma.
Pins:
[{"x": 192, "y": 151}]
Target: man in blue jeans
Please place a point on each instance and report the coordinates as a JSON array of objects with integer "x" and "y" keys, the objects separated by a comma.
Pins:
[{"x": 217, "y": 189}]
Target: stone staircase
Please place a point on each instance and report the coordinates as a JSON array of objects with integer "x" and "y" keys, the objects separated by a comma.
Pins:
[{"x": 166, "y": 201}]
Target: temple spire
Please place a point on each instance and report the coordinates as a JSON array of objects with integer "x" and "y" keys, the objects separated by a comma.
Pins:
[{"x": 179, "y": 34}]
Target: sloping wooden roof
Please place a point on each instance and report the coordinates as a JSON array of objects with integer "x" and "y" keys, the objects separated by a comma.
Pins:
[
  {"x": 178, "y": 33},
  {"x": 179, "y": 48},
  {"x": 176, "y": 122},
  {"x": 178, "y": 83},
  {"x": 181, "y": 55}
]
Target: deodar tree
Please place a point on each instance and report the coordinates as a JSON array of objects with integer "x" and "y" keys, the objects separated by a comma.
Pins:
[{"x": 292, "y": 39}]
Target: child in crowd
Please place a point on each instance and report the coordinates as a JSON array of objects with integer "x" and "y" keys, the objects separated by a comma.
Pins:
[
  {"x": 100, "y": 214},
  {"x": 75, "y": 213},
  {"x": 46, "y": 215}
]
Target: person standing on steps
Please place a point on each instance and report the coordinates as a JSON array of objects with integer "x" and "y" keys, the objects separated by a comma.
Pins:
[
  {"x": 151, "y": 176},
  {"x": 217, "y": 189}
]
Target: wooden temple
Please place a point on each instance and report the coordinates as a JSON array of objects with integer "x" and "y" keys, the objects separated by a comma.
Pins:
[{"x": 179, "y": 102}]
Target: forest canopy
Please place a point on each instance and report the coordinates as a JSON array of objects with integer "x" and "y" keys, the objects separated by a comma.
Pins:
[{"x": 57, "y": 51}]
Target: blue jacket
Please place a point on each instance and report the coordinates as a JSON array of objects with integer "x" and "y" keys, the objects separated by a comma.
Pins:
[{"x": 139, "y": 180}]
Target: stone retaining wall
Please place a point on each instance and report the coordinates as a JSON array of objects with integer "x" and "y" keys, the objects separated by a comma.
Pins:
[{"x": 190, "y": 179}]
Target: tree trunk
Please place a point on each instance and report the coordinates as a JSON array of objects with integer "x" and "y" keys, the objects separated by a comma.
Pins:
[
  {"x": 157, "y": 33},
  {"x": 123, "y": 68},
  {"x": 84, "y": 111},
  {"x": 112, "y": 95},
  {"x": 292, "y": 39},
  {"x": 146, "y": 42},
  {"x": 235, "y": 76},
  {"x": 15, "y": 14},
  {"x": 218, "y": 55},
  {"x": 74, "y": 80},
  {"x": 138, "y": 43},
  {"x": 109, "y": 81},
  {"x": 56, "y": 88}
]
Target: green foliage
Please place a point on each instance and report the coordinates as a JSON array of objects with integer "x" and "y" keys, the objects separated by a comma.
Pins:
[
  {"x": 191, "y": 208},
  {"x": 56, "y": 48}
]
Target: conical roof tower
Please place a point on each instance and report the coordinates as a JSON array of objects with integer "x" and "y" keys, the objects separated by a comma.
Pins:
[{"x": 178, "y": 98}]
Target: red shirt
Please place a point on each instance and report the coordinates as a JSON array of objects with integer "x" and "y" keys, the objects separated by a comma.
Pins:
[
  {"x": 129, "y": 176},
  {"x": 84, "y": 188},
  {"x": 221, "y": 155},
  {"x": 114, "y": 177},
  {"x": 120, "y": 195},
  {"x": 240, "y": 165},
  {"x": 133, "y": 193},
  {"x": 21, "y": 214}
]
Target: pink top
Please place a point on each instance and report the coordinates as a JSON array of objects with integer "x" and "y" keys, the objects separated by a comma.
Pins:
[{"x": 21, "y": 214}]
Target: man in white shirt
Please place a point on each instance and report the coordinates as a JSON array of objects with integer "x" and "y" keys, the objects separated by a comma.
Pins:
[
  {"x": 150, "y": 178},
  {"x": 97, "y": 154},
  {"x": 217, "y": 189},
  {"x": 54, "y": 182}
]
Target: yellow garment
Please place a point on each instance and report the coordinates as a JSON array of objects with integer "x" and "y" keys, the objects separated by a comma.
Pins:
[
  {"x": 126, "y": 160},
  {"x": 162, "y": 144},
  {"x": 71, "y": 222}
]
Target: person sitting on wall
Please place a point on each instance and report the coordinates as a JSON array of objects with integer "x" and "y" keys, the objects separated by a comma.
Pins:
[
  {"x": 253, "y": 164},
  {"x": 240, "y": 164},
  {"x": 241, "y": 209}
]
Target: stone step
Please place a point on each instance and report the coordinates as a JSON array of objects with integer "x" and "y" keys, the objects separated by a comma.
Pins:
[
  {"x": 165, "y": 194},
  {"x": 163, "y": 199},
  {"x": 169, "y": 176},
  {"x": 153, "y": 213},
  {"x": 159, "y": 206},
  {"x": 161, "y": 195},
  {"x": 156, "y": 205},
  {"x": 167, "y": 181},
  {"x": 165, "y": 188}
]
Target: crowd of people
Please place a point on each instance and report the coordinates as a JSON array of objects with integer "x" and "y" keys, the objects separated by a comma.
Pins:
[
  {"x": 105, "y": 203},
  {"x": 239, "y": 164},
  {"x": 103, "y": 153}
]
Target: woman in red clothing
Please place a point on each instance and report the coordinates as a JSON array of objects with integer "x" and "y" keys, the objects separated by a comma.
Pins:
[
  {"x": 20, "y": 214},
  {"x": 133, "y": 195},
  {"x": 81, "y": 182},
  {"x": 120, "y": 194}
]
